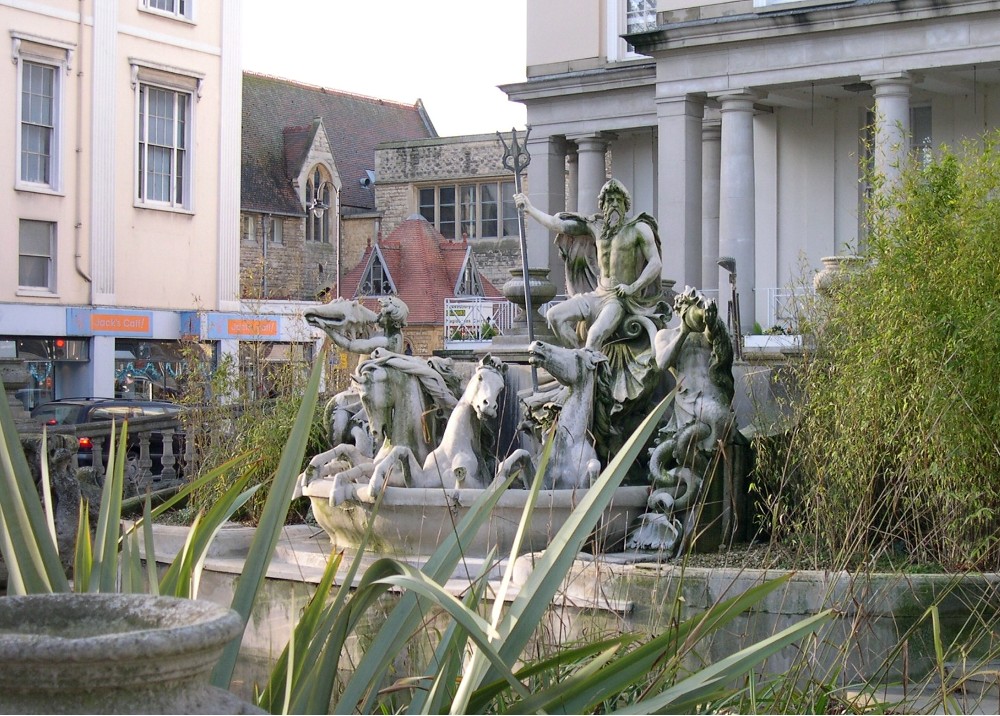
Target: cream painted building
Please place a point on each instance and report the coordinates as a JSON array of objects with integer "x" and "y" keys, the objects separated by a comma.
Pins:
[
  {"x": 120, "y": 221},
  {"x": 741, "y": 125}
]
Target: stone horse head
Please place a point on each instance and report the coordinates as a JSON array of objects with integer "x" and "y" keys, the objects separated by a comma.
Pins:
[
  {"x": 343, "y": 316},
  {"x": 485, "y": 386}
]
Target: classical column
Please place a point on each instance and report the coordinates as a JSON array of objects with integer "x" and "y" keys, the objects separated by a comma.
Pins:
[
  {"x": 736, "y": 199},
  {"x": 593, "y": 172},
  {"x": 546, "y": 188},
  {"x": 892, "y": 123},
  {"x": 572, "y": 178},
  {"x": 103, "y": 140},
  {"x": 679, "y": 190},
  {"x": 711, "y": 157},
  {"x": 231, "y": 110}
]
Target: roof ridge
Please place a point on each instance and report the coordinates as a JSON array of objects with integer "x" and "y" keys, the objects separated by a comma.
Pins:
[{"x": 330, "y": 90}]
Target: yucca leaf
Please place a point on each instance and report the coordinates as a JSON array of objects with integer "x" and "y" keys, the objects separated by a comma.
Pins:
[
  {"x": 480, "y": 631},
  {"x": 483, "y": 696},
  {"x": 280, "y": 682},
  {"x": 549, "y": 699},
  {"x": 47, "y": 507},
  {"x": 32, "y": 558},
  {"x": 406, "y": 615},
  {"x": 664, "y": 650},
  {"x": 534, "y": 597},
  {"x": 83, "y": 556},
  {"x": 152, "y": 579},
  {"x": 446, "y": 661},
  {"x": 109, "y": 517},
  {"x": 700, "y": 687},
  {"x": 272, "y": 520}
]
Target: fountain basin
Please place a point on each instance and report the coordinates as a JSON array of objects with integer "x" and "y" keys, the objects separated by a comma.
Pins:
[{"x": 414, "y": 521}]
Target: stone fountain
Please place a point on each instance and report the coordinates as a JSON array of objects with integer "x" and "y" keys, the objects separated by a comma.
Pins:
[{"x": 414, "y": 442}]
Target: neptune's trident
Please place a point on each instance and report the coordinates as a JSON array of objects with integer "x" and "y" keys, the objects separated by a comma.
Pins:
[{"x": 516, "y": 159}]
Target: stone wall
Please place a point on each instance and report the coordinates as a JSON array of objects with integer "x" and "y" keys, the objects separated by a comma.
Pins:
[
  {"x": 358, "y": 233},
  {"x": 402, "y": 167},
  {"x": 424, "y": 339},
  {"x": 295, "y": 269}
]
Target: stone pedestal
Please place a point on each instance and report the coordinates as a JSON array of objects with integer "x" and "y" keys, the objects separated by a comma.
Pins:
[
  {"x": 512, "y": 346},
  {"x": 15, "y": 377}
]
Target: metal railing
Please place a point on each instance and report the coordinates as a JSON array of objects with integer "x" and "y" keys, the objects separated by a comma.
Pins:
[
  {"x": 785, "y": 307},
  {"x": 470, "y": 321}
]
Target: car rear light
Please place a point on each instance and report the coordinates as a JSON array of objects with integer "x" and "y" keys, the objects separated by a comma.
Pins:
[
  {"x": 86, "y": 444},
  {"x": 51, "y": 421}
]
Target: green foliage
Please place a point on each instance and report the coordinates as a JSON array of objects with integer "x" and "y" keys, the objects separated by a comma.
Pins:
[
  {"x": 481, "y": 663},
  {"x": 895, "y": 447},
  {"x": 251, "y": 411}
]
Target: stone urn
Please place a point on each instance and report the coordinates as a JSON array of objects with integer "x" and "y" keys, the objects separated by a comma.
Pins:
[
  {"x": 113, "y": 653},
  {"x": 836, "y": 272},
  {"x": 541, "y": 290}
]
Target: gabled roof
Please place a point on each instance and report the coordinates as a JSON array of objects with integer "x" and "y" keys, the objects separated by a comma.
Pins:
[
  {"x": 355, "y": 124},
  {"x": 425, "y": 269},
  {"x": 297, "y": 141}
]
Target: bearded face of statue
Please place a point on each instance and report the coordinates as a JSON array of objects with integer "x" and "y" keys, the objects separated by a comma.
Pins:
[{"x": 614, "y": 210}]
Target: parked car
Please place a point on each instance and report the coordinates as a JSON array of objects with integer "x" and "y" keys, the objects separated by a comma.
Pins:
[{"x": 85, "y": 411}]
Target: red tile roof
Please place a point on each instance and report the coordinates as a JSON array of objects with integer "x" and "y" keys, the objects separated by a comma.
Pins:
[{"x": 424, "y": 267}]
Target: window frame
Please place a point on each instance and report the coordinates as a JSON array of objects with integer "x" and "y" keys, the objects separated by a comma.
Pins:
[
  {"x": 248, "y": 228},
  {"x": 185, "y": 15},
  {"x": 617, "y": 49},
  {"x": 460, "y": 214},
  {"x": 319, "y": 182},
  {"x": 181, "y": 82},
  {"x": 268, "y": 225},
  {"x": 50, "y": 288},
  {"x": 180, "y": 98},
  {"x": 56, "y": 56}
]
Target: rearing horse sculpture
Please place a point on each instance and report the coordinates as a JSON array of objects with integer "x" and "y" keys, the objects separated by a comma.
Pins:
[
  {"x": 459, "y": 460},
  {"x": 573, "y": 462}
]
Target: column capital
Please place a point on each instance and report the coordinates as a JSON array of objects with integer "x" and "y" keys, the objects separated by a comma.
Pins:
[
  {"x": 711, "y": 129},
  {"x": 884, "y": 79},
  {"x": 591, "y": 140},
  {"x": 556, "y": 142},
  {"x": 740, "y": 100},
  {"x": 689, "y": 104}
]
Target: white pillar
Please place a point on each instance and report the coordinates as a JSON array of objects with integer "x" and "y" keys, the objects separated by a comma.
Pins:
[
  {"x": 103, "y": 140},
  {"x": 572, "y": 178},
  {"x": 547, "y": 190},
  {"x": 593, "y": 173},
  {"x": 736, "y": 198},
  {"x": 678, "y": 200},
  {"x": 231, "y": 111},
  {"x": 892, "y": 124},
  {"x": 711, "y": 157}
]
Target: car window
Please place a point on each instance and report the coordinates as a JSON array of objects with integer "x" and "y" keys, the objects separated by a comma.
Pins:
[
  {"x": 117, "y": 412},
  {"x": 152, "y": 410},
  {"x": 56, "y": 414}
]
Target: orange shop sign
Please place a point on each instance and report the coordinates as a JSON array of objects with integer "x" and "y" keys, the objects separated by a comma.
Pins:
[
  {"x": 252, "y": 327},
  {"x": 97, "y": 322}
]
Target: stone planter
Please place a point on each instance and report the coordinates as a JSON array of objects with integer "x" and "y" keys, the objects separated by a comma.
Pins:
[
  {"x": 113, "y": 653},
  {"x": 414, "y": 521},
  {"x": 836, "y": 272}
]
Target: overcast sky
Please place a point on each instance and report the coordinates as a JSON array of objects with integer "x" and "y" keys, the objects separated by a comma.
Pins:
[{"x": 451, "y": 54}]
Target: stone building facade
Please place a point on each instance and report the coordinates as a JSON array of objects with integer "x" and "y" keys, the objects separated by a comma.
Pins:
[{"x": 460, "y": 186}]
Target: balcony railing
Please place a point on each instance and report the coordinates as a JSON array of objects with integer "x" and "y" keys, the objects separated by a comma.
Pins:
[{"x": 473, "y": 322}]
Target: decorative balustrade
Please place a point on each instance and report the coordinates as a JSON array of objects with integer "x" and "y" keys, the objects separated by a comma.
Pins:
[{"x": 156, "y": 449}]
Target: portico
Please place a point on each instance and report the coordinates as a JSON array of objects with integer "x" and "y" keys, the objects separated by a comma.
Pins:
[{"x": 744, "y": 130}]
